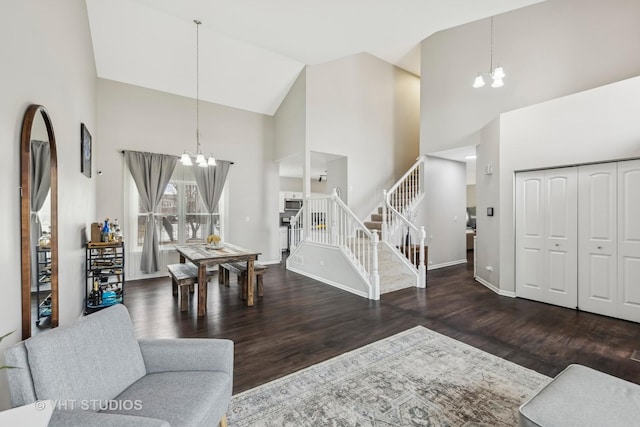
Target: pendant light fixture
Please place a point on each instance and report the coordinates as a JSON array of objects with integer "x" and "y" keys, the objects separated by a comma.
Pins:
[
  {"x": 496, "y": 74},
  {"x": 200, "y": 158}
]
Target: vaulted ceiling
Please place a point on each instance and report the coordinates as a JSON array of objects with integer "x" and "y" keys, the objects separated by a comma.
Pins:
[{"x": 251, "y": 51}]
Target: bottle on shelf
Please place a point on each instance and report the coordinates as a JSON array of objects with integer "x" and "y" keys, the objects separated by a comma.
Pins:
[
  {"x": 45, "y": 240},
  {"x": 106, "y": 231},
  {"x": 95, "y": 297},
  {"x": 117, "y": 232}
]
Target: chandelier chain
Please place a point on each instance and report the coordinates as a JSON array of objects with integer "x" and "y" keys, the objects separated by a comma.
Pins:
[
  {"x": 197, "y": 84},
  {"x": 186, "y": 157},
  {"x": 491, "y": 58}
]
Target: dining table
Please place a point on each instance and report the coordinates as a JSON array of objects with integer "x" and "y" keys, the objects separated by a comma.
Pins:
[{"x": 206, "y": 255}]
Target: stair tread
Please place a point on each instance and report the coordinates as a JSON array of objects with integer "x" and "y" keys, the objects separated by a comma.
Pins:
[{"x": 371, "y": 225}]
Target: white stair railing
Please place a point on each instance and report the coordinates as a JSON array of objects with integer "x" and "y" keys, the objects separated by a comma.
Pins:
[
  {"x": 330, "y": 222},
  {"x": 398, "y": 229},
  {"x": 295, "y": 231}
]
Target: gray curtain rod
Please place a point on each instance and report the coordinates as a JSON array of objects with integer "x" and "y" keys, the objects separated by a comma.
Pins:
[{"x": 147, "y": 152}]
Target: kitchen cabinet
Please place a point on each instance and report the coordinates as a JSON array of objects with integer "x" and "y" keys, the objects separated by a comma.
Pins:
[{"x": 287, "y": 195}]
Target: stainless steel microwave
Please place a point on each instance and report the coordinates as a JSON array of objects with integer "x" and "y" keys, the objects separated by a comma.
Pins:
[{"x": 292, "y": 204}]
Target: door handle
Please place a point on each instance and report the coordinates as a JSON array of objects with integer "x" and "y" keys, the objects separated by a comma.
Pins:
[
  {"x": 599, "y": 247},
  {"x": 557, "y": 244}
]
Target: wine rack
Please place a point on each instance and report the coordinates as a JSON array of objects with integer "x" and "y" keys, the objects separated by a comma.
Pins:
[{"x": 104, "y": 265}]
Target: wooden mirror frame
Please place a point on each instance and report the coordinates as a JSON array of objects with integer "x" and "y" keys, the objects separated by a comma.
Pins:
[{"x": 25, "y": 217}]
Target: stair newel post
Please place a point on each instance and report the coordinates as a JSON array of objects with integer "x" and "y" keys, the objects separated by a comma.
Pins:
[
  {"x": 422, "y": 268},
  {"x": 306, "y": 219},
  {"x": 383, "y": 232},
  {"x": 375, "y": 277},
  {"x": 333, "y": 211}
]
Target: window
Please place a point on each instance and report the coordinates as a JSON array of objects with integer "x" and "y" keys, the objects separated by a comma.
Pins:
[{"x": 181, "y": 216}]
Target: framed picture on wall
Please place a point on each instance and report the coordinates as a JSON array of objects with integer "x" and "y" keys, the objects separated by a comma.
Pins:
[{"x": 85, "y": 151}]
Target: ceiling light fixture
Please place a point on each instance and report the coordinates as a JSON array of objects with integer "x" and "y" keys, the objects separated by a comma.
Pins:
[
  {"x": 496, "y": 74},
  {"x": 200, "y": 158}
]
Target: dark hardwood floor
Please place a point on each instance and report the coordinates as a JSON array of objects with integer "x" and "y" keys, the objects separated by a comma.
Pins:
[{"x": 300, "y": 322}]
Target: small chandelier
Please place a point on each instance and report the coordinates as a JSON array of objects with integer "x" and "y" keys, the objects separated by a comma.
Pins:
[
  {"x": 496, "y": 74},
  {"x": 200, "y": 158}
]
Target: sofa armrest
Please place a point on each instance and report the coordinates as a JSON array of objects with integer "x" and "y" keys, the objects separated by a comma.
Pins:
[
  {"x": 80, "y": 418},
  {"x": 187, "y": 354}
]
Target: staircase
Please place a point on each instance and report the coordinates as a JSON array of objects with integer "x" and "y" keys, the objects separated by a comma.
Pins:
[
  {"x": 401, "y": 239},
  {"x": 375, "y": 223},
  {"x": 388, "y": 251}
]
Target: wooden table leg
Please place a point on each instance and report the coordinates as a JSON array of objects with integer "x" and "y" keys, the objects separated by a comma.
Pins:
[
  {"x": 182, "y": 260},
  {"x": 184, "y": 297},
  {"x": 250, "y": 282},
  {"x": 202, "y": 290}
]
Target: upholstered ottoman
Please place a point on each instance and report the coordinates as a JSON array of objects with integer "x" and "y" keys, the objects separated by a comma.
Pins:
[{"x": 581, "y": 396}]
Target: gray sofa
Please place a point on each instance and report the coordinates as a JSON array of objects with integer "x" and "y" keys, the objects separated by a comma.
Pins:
[{"x": 98, "y": 374}]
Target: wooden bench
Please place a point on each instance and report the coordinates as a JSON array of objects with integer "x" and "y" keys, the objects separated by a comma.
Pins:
[
  {"x": 240, "y": 269},
  {"x": 184, "y": 276}
]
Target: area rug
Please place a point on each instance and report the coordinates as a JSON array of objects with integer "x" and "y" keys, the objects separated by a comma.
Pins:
[{"x": 415, "y": 378}]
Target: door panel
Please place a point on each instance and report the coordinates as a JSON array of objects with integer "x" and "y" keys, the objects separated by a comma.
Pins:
[
  {"x": 630, "y": 291},
  {"x": 561, "y": 207},
  {"x": 599, "y": 286},
  {"x": 546, "y": 232},
  {"x": 629, "y": 240},
  {"x": 532, "y": 212},
  {"x": 532, "y": 274},
  {"x": 558, "y": 200},
  {"x": 597, "y": 257},
  {"x": 557, "y": 272},
  {"x": 530, "y": 280}
]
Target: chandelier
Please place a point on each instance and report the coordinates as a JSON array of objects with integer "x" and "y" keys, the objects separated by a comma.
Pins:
[
  {"x": 496, "y": 74},
  {"x": 200, "y": 158}
]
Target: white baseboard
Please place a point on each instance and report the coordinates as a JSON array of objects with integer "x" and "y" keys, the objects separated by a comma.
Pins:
[
  {"x": 446, "y": 264},
  {"x": 271, "y": 262},
  {"x": 329, "y": 282},
  {"x": 494, "y": 288}
]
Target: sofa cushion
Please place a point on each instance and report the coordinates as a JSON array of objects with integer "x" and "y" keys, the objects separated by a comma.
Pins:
[
  {"x": 187, "y": 398},
  {"x": 94, "y": 359},
  {"x": 581, "y": 396},
  {"x": 20, "y": 382}
]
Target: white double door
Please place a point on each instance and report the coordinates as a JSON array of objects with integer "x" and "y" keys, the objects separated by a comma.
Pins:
[
  {"x": 587, "y": 231},
  {"x": 546, "y": 236}
]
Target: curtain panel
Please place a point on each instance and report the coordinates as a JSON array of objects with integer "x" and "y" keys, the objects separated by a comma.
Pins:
[
  {"x": 151, "y": 172},
  {"x": 40, "y": 176},
  {"x": 210, "y": 182}
]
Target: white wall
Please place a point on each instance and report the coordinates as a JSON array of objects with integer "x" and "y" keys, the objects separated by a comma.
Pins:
[
  {"x": 291, "y": 184},
  {"x": 135, "y": 118},
  {"x": 488, "y": 248},
  {"x": 548, "y": 50},
  {"x": 290, "y": 121},
  {"x": 337, "y": 177},
  {"x": 593, "y": 126},
  {"x": 443, "y": 211},
  {"x": 471, "y": 192},
  {"x": 368, "y": 110},
  {"x": 318, "y": 187},
  {"x": 47, "y": 59},
  {"x": 329, "y": 265}
]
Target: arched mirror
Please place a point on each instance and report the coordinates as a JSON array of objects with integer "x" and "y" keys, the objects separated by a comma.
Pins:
[{"x": 39, "y": 221}]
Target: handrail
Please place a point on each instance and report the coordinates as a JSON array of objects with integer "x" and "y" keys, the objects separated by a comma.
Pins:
[
  {"x": 329, "y": 221},
  {"x": 417, "y": 164},
  {"x": 295, "y": 232},
  {"x": 340, "y": 203},
  {"x": 393, "y": 219}
]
